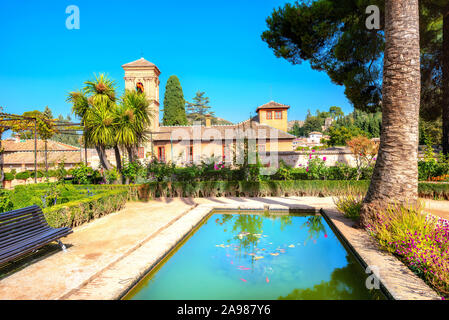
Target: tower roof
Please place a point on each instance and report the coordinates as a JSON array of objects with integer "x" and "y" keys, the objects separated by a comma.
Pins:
[
  {"x": 272, "y": 105},
  {"x": 139, "y": 63}
]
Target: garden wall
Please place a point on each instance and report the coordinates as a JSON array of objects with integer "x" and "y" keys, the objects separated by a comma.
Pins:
[{"x": 298, "y": 159}]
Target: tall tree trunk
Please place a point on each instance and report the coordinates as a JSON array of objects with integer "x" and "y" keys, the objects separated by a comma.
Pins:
[
  {"x": 118, "y": 158},
  {"x": 2, "y": 174},
  {"x": 130, "y": 154},
  {"x": 445, "y": 105},
  {"x": 46, "y": 157},
  {"x": 395, "y": 177},
  {"x": 103, "y": 159}
]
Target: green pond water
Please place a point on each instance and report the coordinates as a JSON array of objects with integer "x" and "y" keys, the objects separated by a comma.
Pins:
[{"x": 256, "y": 256}]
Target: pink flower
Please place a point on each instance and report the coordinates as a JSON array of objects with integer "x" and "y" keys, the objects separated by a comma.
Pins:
[
  {"x": 313, "y": 150},
  {"x": 325, "y": 235},
  {"x": 324, "y": 158}
]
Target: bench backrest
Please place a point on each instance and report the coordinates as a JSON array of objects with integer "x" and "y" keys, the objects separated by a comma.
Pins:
[{"x": 17, "y": 225}]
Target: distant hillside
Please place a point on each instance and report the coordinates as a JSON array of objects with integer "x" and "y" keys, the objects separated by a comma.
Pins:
[
  {"x": 215, "y": 120},
  {"x": 292, "y": 123}
]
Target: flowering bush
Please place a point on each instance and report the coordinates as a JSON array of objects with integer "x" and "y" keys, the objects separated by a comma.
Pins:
[
  {"x": 421, "y": 241},
  {"x": 443, "y": 178},
  {"x": 316, "y": 168},
  {"x": 364, "y": 151}
]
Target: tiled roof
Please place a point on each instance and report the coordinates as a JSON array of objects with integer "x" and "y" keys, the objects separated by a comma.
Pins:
[
  {"x": 11, "y": 145},
  {"x": 272, "y": 105},
  {"x": 139, "y": 63},
  {"x": 226, "y": 131},
  {"x": 69, "y": 157}
]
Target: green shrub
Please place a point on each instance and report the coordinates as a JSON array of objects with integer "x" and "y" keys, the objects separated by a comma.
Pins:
[
  {"x": 52, "y": 173},
  {"x": 319, "y": 188},
  {"x": 111, "y": 176},
  {"x": 5, "y": 201},
  {"x": 39, "y": 174},
  {"x": 8, "y": 176},
  {"x": 433, "y": 190},
  {"x": 23, "y": 175},
  {"x": 161, "y": 171},
  {"x": 77, "y": 212}
]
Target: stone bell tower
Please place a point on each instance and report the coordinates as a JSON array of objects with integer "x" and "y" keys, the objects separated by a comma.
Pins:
[{"x": 143, "y": 75}]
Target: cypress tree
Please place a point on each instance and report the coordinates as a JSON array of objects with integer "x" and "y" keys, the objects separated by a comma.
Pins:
[{"x": 174, "y": 103}]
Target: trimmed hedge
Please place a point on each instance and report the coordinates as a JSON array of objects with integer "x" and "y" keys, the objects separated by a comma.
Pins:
[
  {"x": 315, "y": 188},
  {"x": 75, "y": 213},
  {"x": 8, "y": 176},
  {"x": 320, "y": 188},
  {"x": 438, "y": 191}
]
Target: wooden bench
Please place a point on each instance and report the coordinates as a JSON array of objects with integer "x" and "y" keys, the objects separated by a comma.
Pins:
[{"x": 25, "y": 230}]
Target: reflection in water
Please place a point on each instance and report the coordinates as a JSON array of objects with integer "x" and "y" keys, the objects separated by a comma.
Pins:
[
  {"x": 344, "y": 285},
  {"x": 251, "y": 256},
  {"x": 314, "y": 227}
]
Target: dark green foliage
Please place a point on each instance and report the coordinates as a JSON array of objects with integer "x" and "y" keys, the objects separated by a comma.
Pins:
[
  {"x": 39, "y": 174},
  {"x": 331, "y": 35},
  {"x": 369, "y": 123},
  {"x": 75, "y": 213},
  {"x": 199, "y": 108},
  {"x": 430, "y": 130},
  {"x": 296, "y": 130},
  {"x": 9, "y": 176},
  {"x": 132, "y": 171},
  {"x": 83, "y": 174},
  {"x": 430, "y": 169},
  {"x": 23, "y": 175},
  {"x": 340, "y": 135},
  {"x": 5, "y": 201},
  {"x": 174, "y": 103},
  {"x": 312, "y": 123}
]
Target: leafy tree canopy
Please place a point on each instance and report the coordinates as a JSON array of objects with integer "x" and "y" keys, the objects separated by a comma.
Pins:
[{"x": 332, "y": 36}]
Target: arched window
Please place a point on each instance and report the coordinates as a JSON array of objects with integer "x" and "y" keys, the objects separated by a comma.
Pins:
[{"x": 139, "y": 87}]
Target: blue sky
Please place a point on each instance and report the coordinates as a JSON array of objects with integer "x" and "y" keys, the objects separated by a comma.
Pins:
[{"x": 212, "y": 46}]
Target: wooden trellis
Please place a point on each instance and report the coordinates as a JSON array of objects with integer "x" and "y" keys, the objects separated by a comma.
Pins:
[{"x": 65, "y": 128}]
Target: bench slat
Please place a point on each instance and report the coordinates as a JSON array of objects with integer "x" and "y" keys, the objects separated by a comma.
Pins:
[
  {"x": 33, "y": 240},
  {"x": 24, "y": 250},
  {"x": 19, "y": 212},
  {"x": 24, "y": 230},
  {"x": 16, "y": 237},
  {"x": 20, "y": 225}
]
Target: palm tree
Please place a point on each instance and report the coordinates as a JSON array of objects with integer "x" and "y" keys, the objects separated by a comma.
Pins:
[
  {"x": 95, "y": 106},
  {"x": 132, "y": 120},
  {"x": 395, "y": 177}
]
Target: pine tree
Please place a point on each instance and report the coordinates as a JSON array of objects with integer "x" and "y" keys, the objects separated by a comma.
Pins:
[
  {"x": 174, "y": 103},
  {"x": 47, "y": 113},
  {"x": 199, "y": 108}
]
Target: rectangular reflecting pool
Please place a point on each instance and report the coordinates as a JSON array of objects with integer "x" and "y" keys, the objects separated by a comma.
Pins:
[{"x": 248, "y": 256}]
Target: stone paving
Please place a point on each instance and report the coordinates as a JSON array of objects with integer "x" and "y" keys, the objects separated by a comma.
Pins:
[{"x": 106, "y": 257}]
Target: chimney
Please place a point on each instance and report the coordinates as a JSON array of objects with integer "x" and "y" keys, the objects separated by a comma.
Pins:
[{"x": 208, "y": 121}]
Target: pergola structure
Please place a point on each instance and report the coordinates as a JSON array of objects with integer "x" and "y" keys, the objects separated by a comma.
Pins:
[{"x": 7, "y": 121}]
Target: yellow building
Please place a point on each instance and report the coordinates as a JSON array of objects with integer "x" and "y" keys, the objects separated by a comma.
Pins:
[{"x": 186, "y": 144}]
